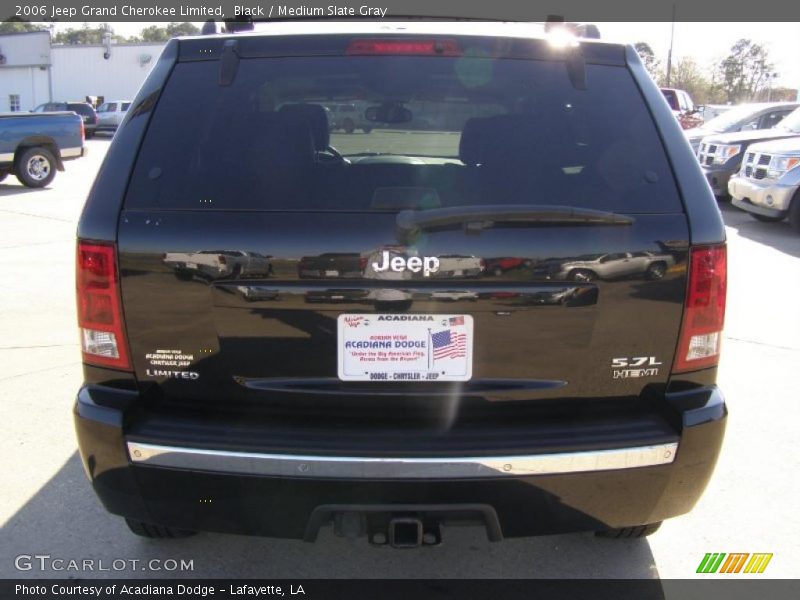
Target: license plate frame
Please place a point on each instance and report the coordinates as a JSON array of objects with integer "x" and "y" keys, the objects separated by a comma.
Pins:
[{"x": 405, "y": 347}]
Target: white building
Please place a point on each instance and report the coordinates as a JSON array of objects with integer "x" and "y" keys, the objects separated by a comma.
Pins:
[
  {"x": 33, "y": 71},
  {"x": 24, "y": 70}
]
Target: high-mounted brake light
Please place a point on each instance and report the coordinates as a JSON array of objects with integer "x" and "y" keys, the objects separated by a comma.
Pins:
[
  {"x": 704, "y": 311},
  {"x": 372, "y": 47},
  {"x": 99, "y": 308}
]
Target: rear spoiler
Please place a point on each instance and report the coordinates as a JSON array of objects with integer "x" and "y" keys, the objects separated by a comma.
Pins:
[{"x": 553, "y": 22}]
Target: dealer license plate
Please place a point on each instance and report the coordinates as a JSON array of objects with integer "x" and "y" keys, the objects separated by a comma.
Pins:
[{"x": 405, "y": 347}]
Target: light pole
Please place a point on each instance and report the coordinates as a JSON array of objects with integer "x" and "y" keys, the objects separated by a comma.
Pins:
[
  {"x": 770, "y": 78},
  {"x": 669, "y": 53}
]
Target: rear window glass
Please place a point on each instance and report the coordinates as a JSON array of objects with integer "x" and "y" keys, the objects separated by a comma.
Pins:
[{"x": 389, "y": 133}]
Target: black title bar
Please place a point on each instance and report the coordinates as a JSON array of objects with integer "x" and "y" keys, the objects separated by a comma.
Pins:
[{"x": 594, "y": 11}]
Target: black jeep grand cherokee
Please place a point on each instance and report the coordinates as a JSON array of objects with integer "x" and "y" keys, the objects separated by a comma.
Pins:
[{"x": 404, "y": 385}]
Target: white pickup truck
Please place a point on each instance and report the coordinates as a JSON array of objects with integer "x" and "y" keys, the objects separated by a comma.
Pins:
[{"x": 215, "y": 264}]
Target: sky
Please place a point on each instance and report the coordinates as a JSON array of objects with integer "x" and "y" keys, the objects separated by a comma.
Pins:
[
  {"x": 705, "y": 42},
  {"x": 709, "y": 42}
]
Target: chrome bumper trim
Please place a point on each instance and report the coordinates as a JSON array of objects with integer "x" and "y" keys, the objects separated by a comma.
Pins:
[
  {"x": 72, "y": 152},
  {"x": 351, "y": 467}
]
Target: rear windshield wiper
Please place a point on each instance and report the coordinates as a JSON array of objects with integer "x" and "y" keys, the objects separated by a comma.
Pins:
[{"x": 476, "y": 218}]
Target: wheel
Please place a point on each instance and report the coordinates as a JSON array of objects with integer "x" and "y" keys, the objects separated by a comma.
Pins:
[
  {"x": 36, "y": 167},
  {"x": 366, "y": 129},
  {"x": 156, "y": 531},
  {"x": 794, "y": 212},
  {"x": 348, "y": 125},
  {"x": 638, "y": 531},
  {"x": 497, "y": 271},
  {"x": 582, "y": 275},
  {"x": 765, "y": 218},
  {"x": 656, "y": 270}
]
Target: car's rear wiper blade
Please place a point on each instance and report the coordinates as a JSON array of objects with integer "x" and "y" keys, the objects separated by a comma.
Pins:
[{"x": 476, "y": 218}]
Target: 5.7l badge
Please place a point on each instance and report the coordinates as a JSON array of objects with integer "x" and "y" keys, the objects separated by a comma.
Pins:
[{"x": 635, "y": 367}]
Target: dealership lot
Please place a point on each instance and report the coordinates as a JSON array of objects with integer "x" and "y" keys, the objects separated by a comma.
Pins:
[{"x": 48, "y": 508}]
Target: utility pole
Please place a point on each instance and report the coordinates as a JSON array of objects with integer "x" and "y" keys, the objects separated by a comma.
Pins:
[{"x": 671, "y": 42}]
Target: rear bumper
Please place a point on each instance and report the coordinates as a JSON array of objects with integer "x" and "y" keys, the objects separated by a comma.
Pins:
[{"x": 284, "y": 495}]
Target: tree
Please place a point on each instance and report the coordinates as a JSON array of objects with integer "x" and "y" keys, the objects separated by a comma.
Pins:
[
  {"x": 185, "y": 28},
  {"x": 85, "y": 35},
  {"x": 649, "y": 60},
  {"x": 155, "y": 33},
  {"x": 17, "y": 25},
  {"x": 686, "y": 75},
  {"x": 745, "y": 71}
]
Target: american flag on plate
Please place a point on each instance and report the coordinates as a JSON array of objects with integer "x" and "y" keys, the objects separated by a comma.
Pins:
[{"x": 447, "y": 344}]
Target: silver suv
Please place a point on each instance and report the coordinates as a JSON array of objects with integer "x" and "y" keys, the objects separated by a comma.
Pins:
[{"x": 768, "y": 184}]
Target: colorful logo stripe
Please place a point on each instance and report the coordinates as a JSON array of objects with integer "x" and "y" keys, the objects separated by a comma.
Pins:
[{"x": 714, "y": 562}]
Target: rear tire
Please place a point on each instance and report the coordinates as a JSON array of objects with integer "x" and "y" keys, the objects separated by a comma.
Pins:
[
  {"x": 348, "y": 125},
  {"x": 656, "y": 271},
  {"x": 638, "y": 531},
  {"x": 36, "y": 167},
  {"x": 156, "y": 532},
  {"x": 765, "y": 218}
]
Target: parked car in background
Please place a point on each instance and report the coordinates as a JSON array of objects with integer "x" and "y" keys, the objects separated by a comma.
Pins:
[
  {"x": 721, "y": 154},
  {"x": 712, "y": 111},
  {"x": 646, "y": 264},
  {"x": 768, "y": 184},
  {"x": 683, "y": 107},
  {"x": 456, "y": 265},
  {"x": 34, "y": 146},
  {"x": 745, "y": 117},
  {"x": 111, "y": 113},
  {"x": 347, "y": 116},
  {"x": 83, "y": 109},
  {"x": 218, "y": 263},
  {"x": 498, "y": 266}
]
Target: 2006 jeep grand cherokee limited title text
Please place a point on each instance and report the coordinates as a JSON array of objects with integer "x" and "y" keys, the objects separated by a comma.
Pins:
[{"x": 405, "y": 385}]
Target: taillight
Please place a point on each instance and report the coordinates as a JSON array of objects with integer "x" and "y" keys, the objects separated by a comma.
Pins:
[
  {"x": 372, "y": 47},
  {"x": 83, "y": 132},
  {"x": 222, "y": 260},
  {"x": 99, "y": 307},
  {"x": 704, "y": 312}
]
